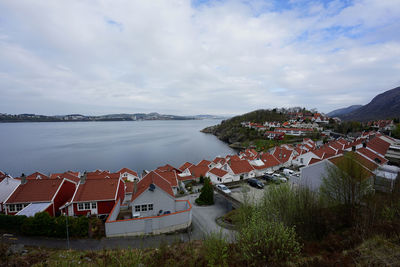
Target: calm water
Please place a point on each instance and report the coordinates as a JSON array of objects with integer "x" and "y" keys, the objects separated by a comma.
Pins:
[{"x": 62, "y": 146}]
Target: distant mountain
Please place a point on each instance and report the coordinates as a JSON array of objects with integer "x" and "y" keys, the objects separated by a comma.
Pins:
[
  {"x": 343, "y": 111},
  {"x": 382, "y": 106},
  {"x": 79, "y": 117}
]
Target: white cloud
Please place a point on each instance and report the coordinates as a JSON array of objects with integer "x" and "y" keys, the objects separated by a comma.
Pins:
[{"x": 172, "y": 57}]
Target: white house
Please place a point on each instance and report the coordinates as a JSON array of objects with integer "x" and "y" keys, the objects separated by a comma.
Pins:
[
  {"x": 218, "y": 176},
  {"x": 7, "y": 187},
  {"x": 239, "y": 170},
  {"x": 128, "y": 174}
]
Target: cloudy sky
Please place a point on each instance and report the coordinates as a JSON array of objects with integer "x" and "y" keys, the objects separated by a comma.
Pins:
[{"x": 195, "y": 57}]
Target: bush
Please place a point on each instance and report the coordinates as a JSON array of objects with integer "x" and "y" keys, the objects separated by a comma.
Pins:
[
  {"x": 11, "y": 223},
  {"x": 216, "y": 249},
  {"x": 42, "y": 224},
  {"x": 263, "y": 241},
  {"x": 298, "y": 207}
]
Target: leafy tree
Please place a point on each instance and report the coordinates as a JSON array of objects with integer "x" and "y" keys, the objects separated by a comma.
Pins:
[
  {"x": 207, "y": 193},
  {"x": 396, "y": 131},
  {"x": 346, "y": 183}
]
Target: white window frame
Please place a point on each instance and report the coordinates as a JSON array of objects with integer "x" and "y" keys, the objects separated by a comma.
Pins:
[
  {"x": 143, "y": 207},
  {"x": 11, "y": 208},
  {"x": 150, "y": 207},
  {"x": 94, "y": 205},
  {"x": 81, "y": 206},
  {"x": 19, "y": 207},
  {"x": 137, "y": 208}
]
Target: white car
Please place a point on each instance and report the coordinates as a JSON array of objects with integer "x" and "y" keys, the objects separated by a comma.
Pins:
[{"x": 224, "y": 189}]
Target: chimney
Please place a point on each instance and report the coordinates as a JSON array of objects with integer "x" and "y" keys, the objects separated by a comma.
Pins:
[
  {"x": 23, "y": 179},
  {"x": 134, "y": 186},
  {"x": 83, "y": 178}
]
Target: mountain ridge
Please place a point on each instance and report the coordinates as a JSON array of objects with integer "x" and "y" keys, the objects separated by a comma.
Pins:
[{"x": 385, "y": 105}]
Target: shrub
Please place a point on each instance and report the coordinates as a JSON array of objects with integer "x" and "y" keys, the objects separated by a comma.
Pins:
[
  {"x": 42, "y": 224},
  {"x": 263, "y": 241},
  {"x": 79, "y": 226},
  {"x": 11, "y": 222},
  {"x": 299, "y": 207},
  {"x": 216, "y": 249}
]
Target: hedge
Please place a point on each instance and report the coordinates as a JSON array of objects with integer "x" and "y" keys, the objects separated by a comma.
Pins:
[{"x": 42, "y": 224}]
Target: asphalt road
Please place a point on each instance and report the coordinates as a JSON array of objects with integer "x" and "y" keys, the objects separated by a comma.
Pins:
[{"x": 203, "y": 222}]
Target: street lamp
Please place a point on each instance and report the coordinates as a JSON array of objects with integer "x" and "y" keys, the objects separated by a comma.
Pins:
[{"x": 66, "y": 222}]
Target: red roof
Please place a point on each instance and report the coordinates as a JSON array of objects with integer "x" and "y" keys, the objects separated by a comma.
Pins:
[
  {"x": 367, "y": 164},
  {"x": 167, "y": 168},
  {"x": 185, "y": 166},
  {"x": 37, "y": 190},
  {"x": 204, "y": 163},
  {"x": 128, "y": 187},
  {"x": 354, "y": 143},
  {"x": 66, "y": 175},
  {"x": 103, "y": 175},
  {"x": 282, "y": 154},
  {"x": 219, "y": 160},
  {"x": 37, "y": 175},
  {"x": 372, "y": 155},
  {"x": 170, "y": 176},
  {"x": 269, "y": 160},
  {"x": 97, "y": 190},
  {"x": 126, "y": 170},
  {"x": 378, "y": 145},
  {"x": 336, "y": 145},
  {"x": 199, "y": 170},
  {"x": 314, "y": 160},
  {"x": 239, "y": 167},
  {"x": 324, "y": 150},
  {"x": 152, "y": 178},
  {"x": 218, "y": 172},
  {"x": 233, "y": 157}
]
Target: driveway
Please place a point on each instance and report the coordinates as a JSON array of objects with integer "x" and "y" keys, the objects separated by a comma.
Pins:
[{"x": 204, "y": 217}]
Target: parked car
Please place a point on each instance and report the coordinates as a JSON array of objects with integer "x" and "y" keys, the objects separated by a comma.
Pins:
[
  {"x": 255, "y": 183},
  {"x": 268, "y": 177},
  {"x": 288, "y": 172},
  {"x": 224, "y": 189}
]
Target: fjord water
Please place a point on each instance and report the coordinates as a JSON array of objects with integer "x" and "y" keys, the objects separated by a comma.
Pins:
[{"x": 61, "y": 146}]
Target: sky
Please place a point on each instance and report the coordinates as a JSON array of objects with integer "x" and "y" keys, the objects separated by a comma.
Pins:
[{"x": 195, "y": 57}]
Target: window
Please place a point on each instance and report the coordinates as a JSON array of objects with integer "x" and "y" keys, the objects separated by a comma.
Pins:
[
  {"x": 11, "y": 208},
  {"x": 144, "y": 207},
  {"x": 19, "y": 207},
  {"x": 137, "y": 208},
  {"x": 150, "y": 206},
  {"x": 80, "y": 206},
  {"x": 87, "y": 206},
  {"x": 94, "y": 205}
]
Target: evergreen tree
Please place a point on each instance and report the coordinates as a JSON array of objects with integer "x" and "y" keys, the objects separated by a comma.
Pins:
[{"x": 207, "y": 193}]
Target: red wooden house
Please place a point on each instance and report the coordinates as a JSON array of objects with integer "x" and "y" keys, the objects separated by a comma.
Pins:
[
  {"x": 37, "y": 195},
  {"x": 95, "y": 196}
]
